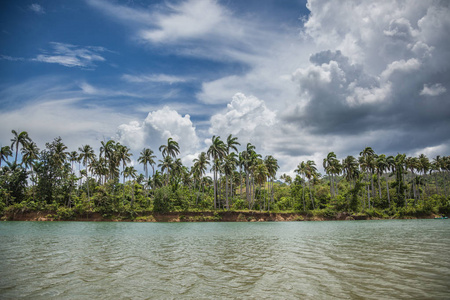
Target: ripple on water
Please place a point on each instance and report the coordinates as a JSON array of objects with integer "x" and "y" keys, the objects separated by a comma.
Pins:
[{"x": 334, "y": 260}]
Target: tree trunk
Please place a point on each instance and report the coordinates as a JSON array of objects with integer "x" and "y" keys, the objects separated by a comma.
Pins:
[{"x": 387, "y": 190}]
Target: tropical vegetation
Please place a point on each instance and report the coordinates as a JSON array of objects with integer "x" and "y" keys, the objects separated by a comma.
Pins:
[{"x": 72, "y": 183}]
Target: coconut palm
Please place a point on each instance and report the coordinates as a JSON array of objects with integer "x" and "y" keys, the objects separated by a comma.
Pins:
[
  {"x": 272, "y": 167},
  {"x": 19, "y": 139},
  {"x": 332, "y": 167},
  {"x": 86, "y": 156},
  {"x": 171, "y": 149},
  {"x": 230, "y": 163},
  {"x": 123, "y": 155},
  {"x": 301, "y": 171},
  {"x": 200, "y": 167},
  {"x": 423, "y": 167},
  {"x": 166, "y": 165},
  {"x": 5, "y": 152},
  {"x": 217, "y": 150},
  {"x": 131, "y": 172},
  {"x": 311, "y": 173}
]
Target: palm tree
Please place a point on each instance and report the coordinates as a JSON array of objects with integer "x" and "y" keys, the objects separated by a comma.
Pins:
[
  {"x": 412, "y": 164},
  {"x": 216, "y": 151},
  {"x": 146, "y": 158},
  {"x": 5, "y": 152},
  {"x": 261, "y": 174},
  {"x": 332, "y": 167},
  {"x": 367, "y": 163},
  {"x": 73, "y": 157},
  {"x": 131, "y": 172},
  {"x": 124, "y": 156},
  {"x": 200, "y": 167},
  {"x": 171, "y": 149},
  {"x": 311, "y": 173},
  {"x": 166, "y": 165},
  {"x": 230, "y": 163},
  {"x": 301, "y": 171},
  {"x": 272, "y": 167},
  {"x": 19, "y": 138},
  {"x": 399, "y": 170},
  {"x": 381, "y": 167},
  {"x": 424, "y": 166},
  {"x": 86, "y": 156}
]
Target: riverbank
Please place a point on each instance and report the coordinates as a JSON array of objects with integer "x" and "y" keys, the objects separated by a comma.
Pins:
[{"x": 218, "y": 216}]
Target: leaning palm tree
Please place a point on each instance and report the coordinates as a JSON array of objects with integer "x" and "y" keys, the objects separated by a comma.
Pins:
[
  {"x": 19, "y": 138},
  {"x": 5, "y": 152}
]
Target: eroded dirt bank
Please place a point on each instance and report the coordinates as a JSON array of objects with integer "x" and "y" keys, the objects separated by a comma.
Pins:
[{"x": 219, "y": 216}]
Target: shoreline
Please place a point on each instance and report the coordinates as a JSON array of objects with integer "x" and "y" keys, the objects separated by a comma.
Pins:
[{"x": 218, "y": 216}]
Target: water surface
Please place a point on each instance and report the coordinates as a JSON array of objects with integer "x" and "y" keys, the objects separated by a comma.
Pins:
[{"x": 398, "y": 259}]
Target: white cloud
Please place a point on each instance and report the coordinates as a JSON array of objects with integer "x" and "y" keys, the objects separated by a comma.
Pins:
[
  {"x": 157, "y": 127},
  {"x": 433, "y": 90},
  {"x": 186, "y": 20},
  {"x": 94, "y": 91},
  {"x": 36, "y": 8},
  {"x": 161, "y": 78},
  {"x": 246, "y": 117},
  {"x": 72, "y": 55}
]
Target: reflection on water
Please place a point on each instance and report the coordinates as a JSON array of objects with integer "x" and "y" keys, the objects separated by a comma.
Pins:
[{"x": 290, "y": 260}]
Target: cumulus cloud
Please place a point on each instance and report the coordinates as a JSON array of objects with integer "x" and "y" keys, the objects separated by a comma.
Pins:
[
  {"x": 374, "y": 84},
  {"x": 158, "y": 126},
  {"x": 246, "y": 117},
  {"x": 72, "y": 55}
]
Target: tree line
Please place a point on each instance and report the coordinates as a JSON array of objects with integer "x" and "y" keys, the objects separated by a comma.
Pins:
[{"x": 56, "y": 178}]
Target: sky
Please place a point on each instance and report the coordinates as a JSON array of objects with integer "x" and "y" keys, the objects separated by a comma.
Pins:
[{"x": 297, "y": 79}]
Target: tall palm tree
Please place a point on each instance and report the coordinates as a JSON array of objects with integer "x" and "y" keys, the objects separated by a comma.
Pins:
[
  {"x": 166, "y": 165},
  {"x": 146, "y": 158},
  {"x": 86, "y": 156},
  {"x": 131, "y": 172},
  {"x": 123, "y": 155},
  {"x": 311, "y": 173},
  {"x": 230, "y": 163},
  {"x": 272, "y": 167},
  {"x": 332, "y": 167},
  {"x": 301, "y": 171},
  {"x": 367, "y": 164},
  {"x": 424, "y": 166},
  {"x": 5, "y": 152},
  {"x": 19, "y": 138},
  {"x": 399, "y": 170},
  {"x": 217, "y": 150},
  {"x": 412, "y": 164},
  {"x": 200, "y": 167}
]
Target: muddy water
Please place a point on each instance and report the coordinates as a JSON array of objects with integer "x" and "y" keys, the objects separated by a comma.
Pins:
[{"x": 399, "y": 259}]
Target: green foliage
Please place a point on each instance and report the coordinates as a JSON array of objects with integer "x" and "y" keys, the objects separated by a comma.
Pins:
[
  {"x": 163, "y": 200},
  {"x": 64, "y": 213}
]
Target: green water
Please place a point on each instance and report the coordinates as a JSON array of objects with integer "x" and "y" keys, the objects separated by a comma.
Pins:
[{"x": 399, "y": 259}]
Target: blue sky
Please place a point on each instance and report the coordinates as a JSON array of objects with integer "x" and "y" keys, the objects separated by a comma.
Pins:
[{"x": 296, "y": 79}]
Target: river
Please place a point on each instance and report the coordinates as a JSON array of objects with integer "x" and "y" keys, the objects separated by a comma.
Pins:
[{"x": 386, "y": 259}]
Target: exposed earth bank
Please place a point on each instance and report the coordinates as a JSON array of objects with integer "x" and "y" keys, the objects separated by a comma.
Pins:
[{"x": 219, "y": 216}]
